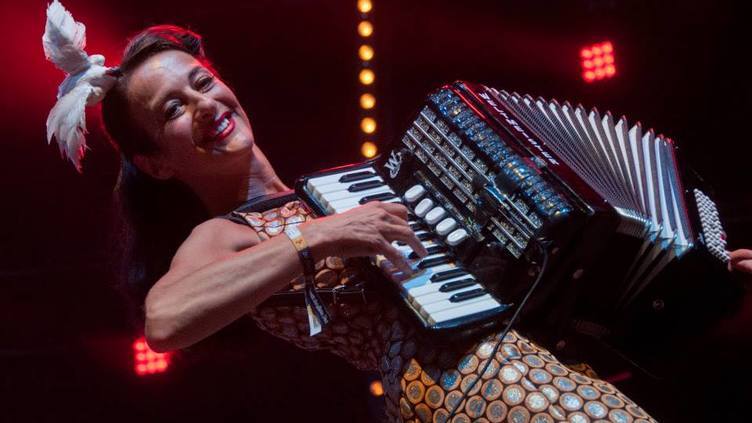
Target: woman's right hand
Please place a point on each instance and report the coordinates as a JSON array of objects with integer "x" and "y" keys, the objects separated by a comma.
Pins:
[{"x": 367, "y": 230}]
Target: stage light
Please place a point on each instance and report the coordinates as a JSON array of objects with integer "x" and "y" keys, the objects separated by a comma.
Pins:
[
  {"x": 598, "y": 61},
  {"x": 368, "y": 125},
  {"x": 364, "y": 6},
  {"x": 146, "y": 361},
  {"x": 367, "y": 101},
  {"x": 366, "y": 77},
  {"x": 376, "y": 388},
  {"x": 365, "y": 52},
  {"x": 365, "y": 29},
  {"x": 368, "y": 150}
]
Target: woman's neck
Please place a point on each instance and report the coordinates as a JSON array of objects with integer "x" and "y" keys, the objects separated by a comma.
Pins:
[{"x": 226, "y": 192}]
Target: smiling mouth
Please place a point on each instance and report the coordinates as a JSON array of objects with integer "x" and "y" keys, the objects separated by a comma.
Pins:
[{"x": 223, "y": 126}]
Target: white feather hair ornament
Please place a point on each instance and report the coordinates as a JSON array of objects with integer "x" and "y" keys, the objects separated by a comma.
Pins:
[{"x": 86, "y": 83}]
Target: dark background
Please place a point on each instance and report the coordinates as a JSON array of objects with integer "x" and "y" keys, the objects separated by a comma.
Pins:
[{"x": 64, "y": 336}]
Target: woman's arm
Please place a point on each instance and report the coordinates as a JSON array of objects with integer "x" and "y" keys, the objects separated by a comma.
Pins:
[{"x": 223, "y": 270}]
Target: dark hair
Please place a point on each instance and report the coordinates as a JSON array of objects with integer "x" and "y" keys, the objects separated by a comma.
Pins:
[{"x": 155, "y": 216}]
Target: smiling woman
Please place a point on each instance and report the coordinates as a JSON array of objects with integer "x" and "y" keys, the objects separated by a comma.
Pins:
[{"x": 188, "y": 153}]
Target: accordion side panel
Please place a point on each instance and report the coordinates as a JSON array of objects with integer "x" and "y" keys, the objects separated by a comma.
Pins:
[
  {"x": 623, "y": 140},
  {"x": 607, "y": 123},
  {"x": 635, "y": 137},
  {"x": 595, "y": 159}
]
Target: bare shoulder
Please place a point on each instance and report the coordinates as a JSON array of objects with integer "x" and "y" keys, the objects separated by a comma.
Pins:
[{"x": 212, "y": 240}]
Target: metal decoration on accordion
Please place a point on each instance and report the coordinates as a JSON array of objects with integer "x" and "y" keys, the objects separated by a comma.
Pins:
[{"x": 485, "y": 173}]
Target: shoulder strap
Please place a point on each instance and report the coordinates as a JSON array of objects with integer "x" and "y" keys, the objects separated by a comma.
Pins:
[{"x": 260, "y": 204}]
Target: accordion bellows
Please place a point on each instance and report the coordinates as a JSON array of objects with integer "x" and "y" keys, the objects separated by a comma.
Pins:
[{"x": 634, "y": 172}]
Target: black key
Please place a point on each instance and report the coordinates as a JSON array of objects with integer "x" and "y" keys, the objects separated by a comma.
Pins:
[
  {"x": 362, "y": 186},
  {"x": 416, "y": 226},
  {"x": 434, "y": 249},
  {"x": 464, "y": 296},
  {"x": 357, "y": 176},
  {"x": 435, "y": 261},
  {"x": 447, "y": 274},
  {"x": 377, "y": 197},
  {"x": 455, "y": 285},
  {"x": 425, "y": 236}
]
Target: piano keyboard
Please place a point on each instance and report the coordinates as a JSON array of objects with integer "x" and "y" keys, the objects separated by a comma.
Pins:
[{"x": 441, "y": 292}]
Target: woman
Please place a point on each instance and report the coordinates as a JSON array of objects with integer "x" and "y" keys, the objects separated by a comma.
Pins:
[{"x": 185, "y": 140}]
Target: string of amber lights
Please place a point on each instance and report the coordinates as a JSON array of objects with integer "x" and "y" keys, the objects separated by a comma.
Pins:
[{"x": 367, "y": 78}]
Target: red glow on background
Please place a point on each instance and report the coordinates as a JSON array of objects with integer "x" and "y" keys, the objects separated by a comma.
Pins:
[
  {"x": 598, "y": 61},
  {"x": 31, "y": 81},
  {"x": 146, "y": 361}
]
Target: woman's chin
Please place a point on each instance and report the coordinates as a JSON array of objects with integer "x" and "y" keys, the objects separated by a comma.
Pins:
[{"x": 236, "y": 144}]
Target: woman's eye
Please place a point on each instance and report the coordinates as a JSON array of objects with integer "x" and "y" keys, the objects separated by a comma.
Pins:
[
  {"x": 204, "y": 83},
  {"x": 172, "y": 110}
]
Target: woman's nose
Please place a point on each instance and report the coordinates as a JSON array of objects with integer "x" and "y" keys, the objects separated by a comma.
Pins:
[{"x": 206, "y": 110}]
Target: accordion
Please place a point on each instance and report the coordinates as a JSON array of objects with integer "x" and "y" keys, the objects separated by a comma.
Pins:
[{"x": 489, "y": 175}]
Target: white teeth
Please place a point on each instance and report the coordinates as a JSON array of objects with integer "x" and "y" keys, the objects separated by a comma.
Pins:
[{"x": 222, "y": 126}]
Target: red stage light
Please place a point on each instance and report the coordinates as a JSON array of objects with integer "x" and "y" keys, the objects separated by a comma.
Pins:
[
  {"x": 146, "y": 361},
  {"x": 598, "y": 61}
]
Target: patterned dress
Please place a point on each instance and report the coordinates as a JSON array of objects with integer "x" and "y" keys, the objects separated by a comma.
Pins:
[{"x": 517, "y": 382}]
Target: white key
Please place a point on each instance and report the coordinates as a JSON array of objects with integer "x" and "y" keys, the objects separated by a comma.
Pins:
[
  {"x": 332, "y": 196},
  {"x": 337, "y": 186},
  {"x": 445, "y": 226},
  {"x": 434, "y": 287},
  {"x": 328, "y": 179},
  {"x": 420, "y": 278},
  {"x": 389, "y": 267},
  {"x": 426, "y": 301},
  {"x": 347, "y": 203},
  {"x": 436, "y": 307},
  {"x": 435, "y": 215},
  {"x": 414, "y": 193},
  {"x": 406, "y": 249},
  {"x": 455, "y": 238},
  {"x": 483, "y": 304},
  {"x": 423, "y": 207}
]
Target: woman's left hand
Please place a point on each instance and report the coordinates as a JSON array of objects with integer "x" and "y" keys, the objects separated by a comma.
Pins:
[{"x": 740, "y": 260}]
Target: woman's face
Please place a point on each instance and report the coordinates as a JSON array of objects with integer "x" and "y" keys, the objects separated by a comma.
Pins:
[{"x": 197, "y": 122}]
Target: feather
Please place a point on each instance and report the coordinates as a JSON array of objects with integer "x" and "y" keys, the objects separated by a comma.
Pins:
[
  {"x": 64, "y": 40},
  {"x": 67, "y": 123},
  {"x": 86, "y": 83}
]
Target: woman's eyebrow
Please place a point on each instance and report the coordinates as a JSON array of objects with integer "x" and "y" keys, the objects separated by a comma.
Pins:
[{"x": 161, "y": 95}]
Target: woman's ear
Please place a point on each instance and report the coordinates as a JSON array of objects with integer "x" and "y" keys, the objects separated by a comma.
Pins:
[{"x": 154, "y": 166}]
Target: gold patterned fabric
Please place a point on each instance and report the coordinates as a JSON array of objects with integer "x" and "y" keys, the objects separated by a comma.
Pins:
[{"x": 425, "y": 382}]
